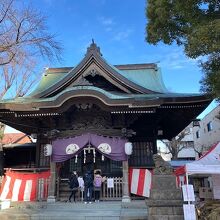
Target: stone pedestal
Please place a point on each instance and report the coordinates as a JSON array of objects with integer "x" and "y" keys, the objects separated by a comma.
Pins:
[{"x": 165, "y": 202}]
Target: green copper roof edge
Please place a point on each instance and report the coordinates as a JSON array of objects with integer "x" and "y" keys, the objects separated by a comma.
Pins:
[
  {"x": 38, "y": 91},
  {"x": 124, "y": 76},
  {"x": 35, "y": 92},
  {"x": 106, "y": 93},
  {"x": 155, "y": 77}
]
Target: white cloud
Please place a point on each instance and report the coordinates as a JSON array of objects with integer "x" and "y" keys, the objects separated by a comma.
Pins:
[
  {"x": 171, "y": 58},
  {"x": 122, "y": 35},
  {"x": 108, "y": 23},
  {"x": 108, "y": 29},
  {"x": 176, "y": 60}
]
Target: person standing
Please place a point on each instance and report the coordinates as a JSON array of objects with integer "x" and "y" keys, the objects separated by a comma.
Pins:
[
  {"x": 88, "y": 187},
  {"x": 97, "y": 185},
  {"x": 73, "y": 184}
]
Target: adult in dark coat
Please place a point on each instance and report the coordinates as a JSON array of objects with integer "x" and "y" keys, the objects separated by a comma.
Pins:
[
  {"x": 73, "y": 184},
  {"x": 88, "y": 186}
]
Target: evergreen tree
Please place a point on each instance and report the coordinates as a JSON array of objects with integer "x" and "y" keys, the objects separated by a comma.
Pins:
[{"x": 193, "y": 24}]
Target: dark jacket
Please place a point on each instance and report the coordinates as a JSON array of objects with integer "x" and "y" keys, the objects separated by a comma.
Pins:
[
  {"x": 88, "y": 179},
  {"x": 73, "y": 182}
]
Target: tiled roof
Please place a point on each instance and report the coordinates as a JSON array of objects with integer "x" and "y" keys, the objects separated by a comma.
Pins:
[{"x": 16, "y": 138}]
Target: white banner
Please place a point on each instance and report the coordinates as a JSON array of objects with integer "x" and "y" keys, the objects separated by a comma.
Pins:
[{"x": 189, "y": 212}]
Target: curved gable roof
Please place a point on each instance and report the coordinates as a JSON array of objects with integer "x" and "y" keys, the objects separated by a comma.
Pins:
[
  {"x": 143, "y": 79},
  {"x": 147, "y": 78},
  {"x": 48, "y": 79}
]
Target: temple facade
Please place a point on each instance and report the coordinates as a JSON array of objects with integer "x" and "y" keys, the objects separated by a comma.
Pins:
[{"x": 88, "y": 113}]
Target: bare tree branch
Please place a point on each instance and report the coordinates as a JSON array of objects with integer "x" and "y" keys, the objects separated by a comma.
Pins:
[
  {"x": 175, "y": 145},
  {"x": 4, "y": 12},
  {"x": 24, "y": 29}
]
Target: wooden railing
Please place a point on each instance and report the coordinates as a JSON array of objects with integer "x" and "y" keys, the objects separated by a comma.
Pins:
[
  {"x": 42, "y": 189},
  {"x": 114, "y": 193}
]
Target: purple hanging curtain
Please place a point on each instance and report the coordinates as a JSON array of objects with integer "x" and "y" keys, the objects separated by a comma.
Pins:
[
  {"x": 111, "y": 147},
  {"x": 64, "y": 149}
]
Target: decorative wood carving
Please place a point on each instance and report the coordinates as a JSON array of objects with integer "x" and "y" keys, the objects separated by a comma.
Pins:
[
  {"x": 127, "y": 132},
  {"x": 90, "y": 118},
  {"x": 81, "y": 82},
  {"x": 106, "y": 132},
  {"x": 84, "y": 106},
  {"x": 92, "y": 72},
  {"x": 125, "y": 120}
]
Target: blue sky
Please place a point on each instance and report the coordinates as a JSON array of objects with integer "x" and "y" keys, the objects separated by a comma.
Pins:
[{"x": 118, "y": 27}]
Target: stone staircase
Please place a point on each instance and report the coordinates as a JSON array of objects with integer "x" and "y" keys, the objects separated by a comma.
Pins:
[{"x": 136, "y": 210}]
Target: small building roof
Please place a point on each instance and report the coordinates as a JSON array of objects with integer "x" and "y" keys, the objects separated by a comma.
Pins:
[
  {"x": 179, "y": 163},
  {"x": 16, "y": 138}
]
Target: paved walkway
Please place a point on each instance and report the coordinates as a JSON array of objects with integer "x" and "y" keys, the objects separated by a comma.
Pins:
[{"x": 136, "y": 210}]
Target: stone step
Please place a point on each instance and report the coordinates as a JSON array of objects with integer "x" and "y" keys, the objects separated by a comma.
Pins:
[
  {"x": 166, "y": 217},
  {"x": 76, "y": 211}
]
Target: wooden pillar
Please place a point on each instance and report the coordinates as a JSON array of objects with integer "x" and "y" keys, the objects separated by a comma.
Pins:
[
  {"x": 1, "y": 160},
  {"x": 52, "y": 185},
  {"x": 125, "y": 187}
]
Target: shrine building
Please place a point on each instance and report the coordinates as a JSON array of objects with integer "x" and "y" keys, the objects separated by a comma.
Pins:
[{"x": 88, "y": 113}]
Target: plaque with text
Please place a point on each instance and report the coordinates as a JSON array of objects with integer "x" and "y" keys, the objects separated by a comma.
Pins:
[{"x": 188, "y": 193}]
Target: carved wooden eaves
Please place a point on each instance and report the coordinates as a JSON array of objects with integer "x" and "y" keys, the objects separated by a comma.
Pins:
[
  {"x": 92, "y": 70},
  {"x": 91, "y": 65}
]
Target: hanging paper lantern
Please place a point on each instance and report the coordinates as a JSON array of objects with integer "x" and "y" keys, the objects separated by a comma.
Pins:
[
  {"x": 48, "y": 150},
  {"x": 128, "y": 148}
]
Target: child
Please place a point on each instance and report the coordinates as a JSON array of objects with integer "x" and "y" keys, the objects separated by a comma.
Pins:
[{"x": 97, "y": 185}]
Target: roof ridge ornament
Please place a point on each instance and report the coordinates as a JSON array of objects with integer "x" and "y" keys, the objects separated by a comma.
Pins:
[{"x": 93, "y": 48}]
